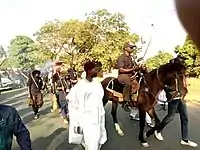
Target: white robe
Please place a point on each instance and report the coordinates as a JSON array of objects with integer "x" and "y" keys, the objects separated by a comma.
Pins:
[{"x": 86, "y": 107}]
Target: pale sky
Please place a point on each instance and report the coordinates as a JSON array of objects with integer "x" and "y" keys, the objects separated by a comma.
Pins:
[{"x": 25, "y": 17}]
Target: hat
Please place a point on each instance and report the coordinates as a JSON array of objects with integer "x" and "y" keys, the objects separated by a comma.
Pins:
[
  {"x": 129, "y": 44},
  {"x": 36, "y": 72}
]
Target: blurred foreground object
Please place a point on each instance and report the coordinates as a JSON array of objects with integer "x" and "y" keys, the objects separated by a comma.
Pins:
[{"x": 189, "y": 15}]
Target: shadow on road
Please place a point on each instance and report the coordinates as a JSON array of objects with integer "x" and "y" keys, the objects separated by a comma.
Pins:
[
  {"x": 29, "y": 118},
  {"x": 43, "y": 142}
]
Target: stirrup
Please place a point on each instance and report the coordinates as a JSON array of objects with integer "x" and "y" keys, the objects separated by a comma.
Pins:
[{"x": 126, "y": 106}]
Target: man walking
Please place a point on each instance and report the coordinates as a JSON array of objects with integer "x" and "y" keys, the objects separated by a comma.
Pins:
[
  {"x": 35, "y": 85},
  {"x": 11, "y": 124},
  {"x": 86, "y": 111},
  {"x": 177, "y": 103}
]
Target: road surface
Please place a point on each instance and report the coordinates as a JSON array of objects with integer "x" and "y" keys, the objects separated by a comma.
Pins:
[{"x": 49, "y": 132}]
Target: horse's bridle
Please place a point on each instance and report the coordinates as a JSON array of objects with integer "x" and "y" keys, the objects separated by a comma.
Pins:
[{"x": 177, "y": 90}]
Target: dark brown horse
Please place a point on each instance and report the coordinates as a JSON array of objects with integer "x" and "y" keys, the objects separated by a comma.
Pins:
[
  {"x": 150, "y": 85},
  {"x": 113, "y": 92}
]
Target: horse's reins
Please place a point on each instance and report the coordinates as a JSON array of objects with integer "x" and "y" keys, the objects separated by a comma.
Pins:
[{"x": 160, "y": 82}]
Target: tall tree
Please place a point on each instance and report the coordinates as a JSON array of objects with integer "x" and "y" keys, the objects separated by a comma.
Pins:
[
  {"x": 22, "y": 52},
  {"x": 66, "y": 39},
  {"x": 192, "y": 55},
  {"x": 100, "y": 37},
  {"x": 111, "y": 33},
  {"x": 160, "y": 59}
]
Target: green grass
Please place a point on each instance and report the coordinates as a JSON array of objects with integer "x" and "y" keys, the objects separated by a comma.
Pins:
[{"x": 193, "y": 90}]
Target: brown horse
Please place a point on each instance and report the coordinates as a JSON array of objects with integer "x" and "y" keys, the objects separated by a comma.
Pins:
[
  {"x": 151, "y": 84},
  {"x": 113, "y": 92}
]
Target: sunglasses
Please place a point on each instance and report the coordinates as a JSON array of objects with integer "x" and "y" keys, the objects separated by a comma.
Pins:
[{"x": 133, "y": 47}]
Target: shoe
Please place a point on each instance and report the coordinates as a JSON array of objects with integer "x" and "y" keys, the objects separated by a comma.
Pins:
[
  {"x": 189, "y": 143},
  {"x": 151, "y": 125},
  {"x": 36, "y": 116},
  {"x": 134, "y": 117},
  {"x": 158, "y": 135},
  {"x": 65, "y": 121}
]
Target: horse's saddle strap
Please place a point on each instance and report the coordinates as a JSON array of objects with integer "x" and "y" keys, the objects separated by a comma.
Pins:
[{"x": 115, "y": 93}]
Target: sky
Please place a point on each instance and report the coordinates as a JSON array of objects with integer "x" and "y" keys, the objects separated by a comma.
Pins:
[{"x": 25, "y": 17}]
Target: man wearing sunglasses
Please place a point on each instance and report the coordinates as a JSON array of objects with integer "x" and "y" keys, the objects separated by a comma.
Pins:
[{"x": 126, "y": 69}]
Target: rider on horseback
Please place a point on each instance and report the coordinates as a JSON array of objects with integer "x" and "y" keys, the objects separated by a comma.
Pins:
[{"x": 126, "y": 69}]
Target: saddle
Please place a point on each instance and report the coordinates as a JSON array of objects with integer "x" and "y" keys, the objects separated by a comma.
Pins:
[{"x": 116, "y": 88}]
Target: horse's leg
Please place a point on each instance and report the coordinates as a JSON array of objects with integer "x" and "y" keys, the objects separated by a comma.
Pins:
[
  {"x": 114, "y": 115},
  {"x": 153, "y": 114},
  {"x": 142, "y": 115}
]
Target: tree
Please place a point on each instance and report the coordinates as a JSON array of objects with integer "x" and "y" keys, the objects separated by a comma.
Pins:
[
  {"x": 3, "y": 54},
  {"x": 100, "y": 37},
  {"x": 192, "y": 55},
  {"x": 111, "y": 33},
  {"x": 160, "y": 59},
  {"x": 23, "y": 52},
  {"x": 65, "y": 40}
]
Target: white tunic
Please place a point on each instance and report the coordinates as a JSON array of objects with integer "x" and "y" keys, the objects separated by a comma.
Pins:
[{"x": 86, "y": 107}]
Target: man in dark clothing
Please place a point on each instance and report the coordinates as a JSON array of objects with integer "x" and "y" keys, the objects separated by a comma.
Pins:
[
  {"x": 176, "y": 102},
  {"x": 126, "y": 69},
  {"x": 60, "y": 87},
  {"x": 11, "y": 124},
  {"x": 35, "y": 85},
  {"x": 72, "y": 76}
]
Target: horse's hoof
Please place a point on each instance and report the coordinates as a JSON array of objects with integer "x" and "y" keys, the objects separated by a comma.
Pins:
[
  {"x": 120, "y": 133},
  {"x": 145, "y": 144},
  {"x": 145, "y": 135},
  {"x": 119, "y": 130}
]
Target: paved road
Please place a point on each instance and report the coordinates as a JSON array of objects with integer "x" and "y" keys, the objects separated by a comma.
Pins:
[{"x": 49, "y": 132}]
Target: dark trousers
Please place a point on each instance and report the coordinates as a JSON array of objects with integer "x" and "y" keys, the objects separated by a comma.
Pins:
[
  {"x": 57, "y": 99},
  {"x": 35, "y": 109},
  {"x": 173, "y": 106},
  {"x": 63, "y": 104},
  {"x": 125, "y": 79},
  {"x": 37, "y": 99}
]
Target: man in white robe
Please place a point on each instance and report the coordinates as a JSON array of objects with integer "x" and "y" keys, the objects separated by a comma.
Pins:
[{"x": 86, "y": 108}]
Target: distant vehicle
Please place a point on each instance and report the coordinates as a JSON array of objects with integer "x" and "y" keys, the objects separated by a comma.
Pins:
[{"x": 6, "y": 84}]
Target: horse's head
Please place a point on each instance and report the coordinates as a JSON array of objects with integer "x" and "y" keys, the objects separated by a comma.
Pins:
[{"x": 173, "y": 75}]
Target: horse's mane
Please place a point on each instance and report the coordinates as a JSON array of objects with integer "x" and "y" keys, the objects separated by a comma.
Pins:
[{"x": 168, "y": 68}]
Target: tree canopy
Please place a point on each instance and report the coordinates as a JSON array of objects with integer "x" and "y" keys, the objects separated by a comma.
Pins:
[
  {"x": 23, "y": 52},
  {"x": 100, "y": 37},
  {"x": 192, "y": 55},
  {"x": 160, "y": 59}
]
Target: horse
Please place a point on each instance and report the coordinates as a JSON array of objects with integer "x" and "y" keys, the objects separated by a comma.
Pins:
[
  {"x": 113, "y": 92},
  {"x": 171, "y": 74},
  {"x": 150, "y": 85}
]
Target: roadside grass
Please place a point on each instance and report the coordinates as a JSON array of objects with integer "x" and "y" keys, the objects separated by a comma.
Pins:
[{"x": 193, "y": 90}]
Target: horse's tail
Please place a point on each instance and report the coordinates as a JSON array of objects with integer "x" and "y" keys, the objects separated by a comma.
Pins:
[
  {"x": 104, "y": 84},
  {"x": 106, "y": 81}
]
